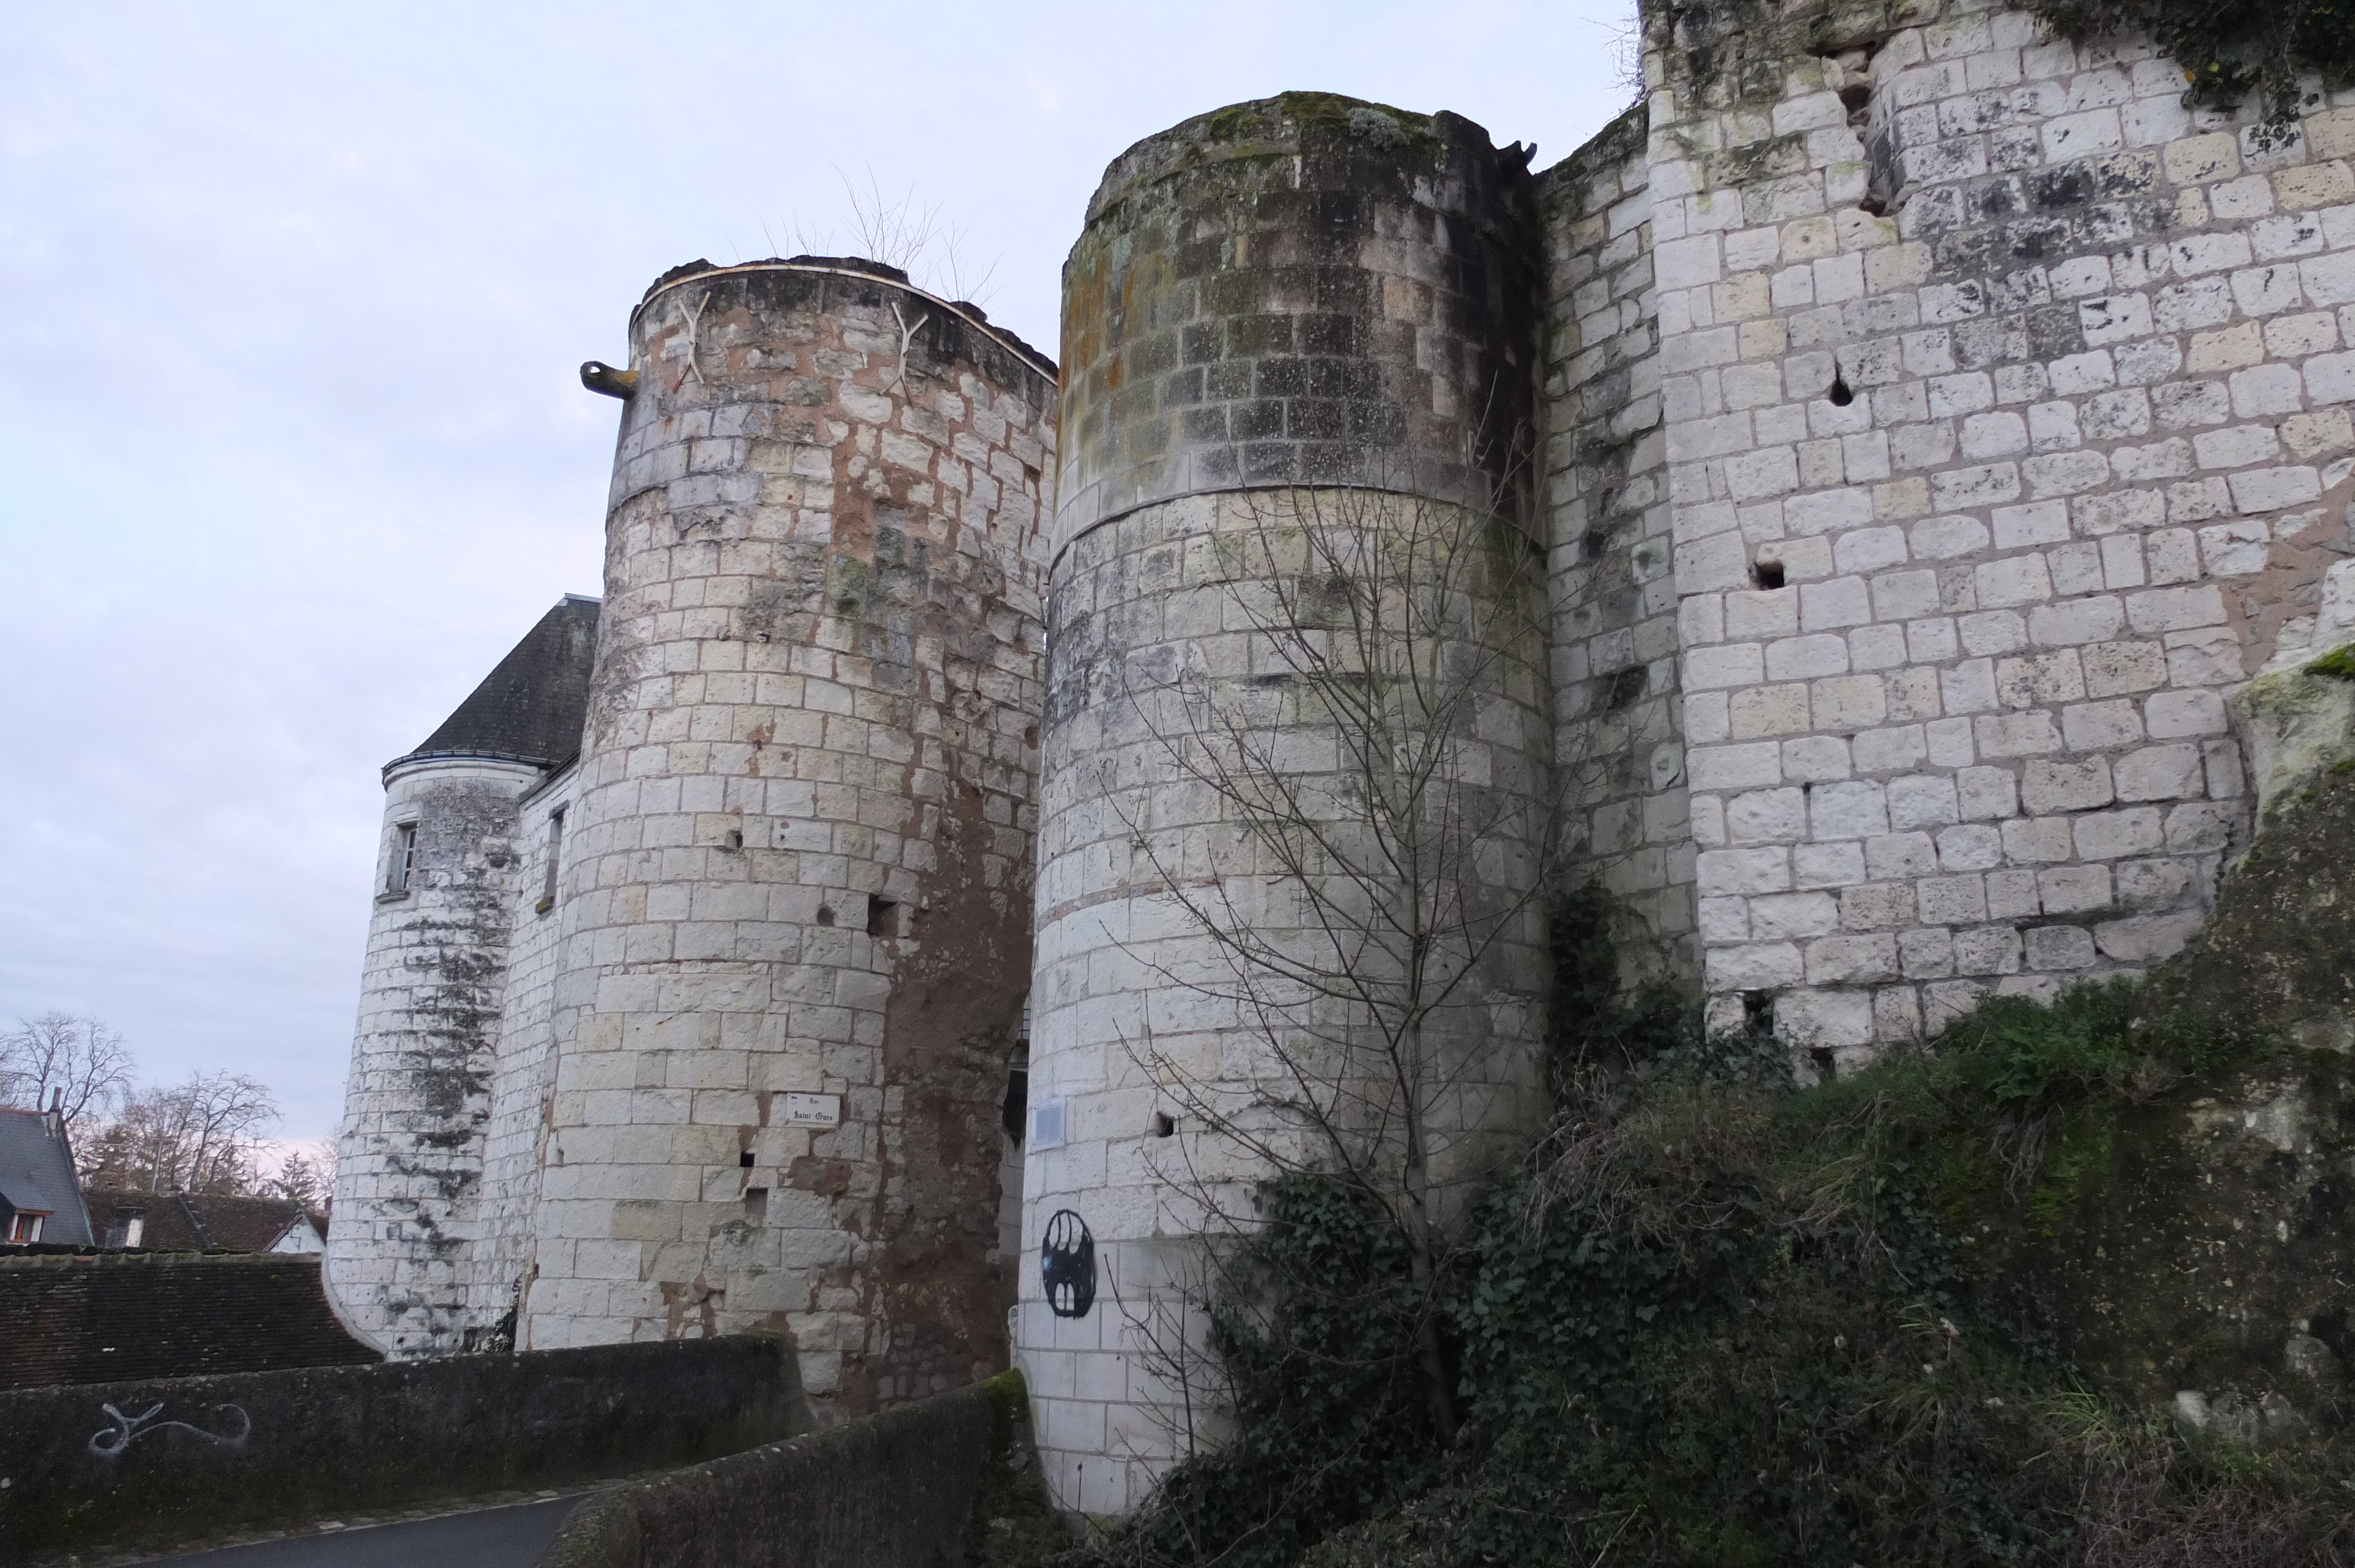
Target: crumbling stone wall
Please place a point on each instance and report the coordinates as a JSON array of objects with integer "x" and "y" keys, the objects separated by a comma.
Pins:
[
  {"x": 799, "y": 843},
  {"x": 409, "y": 1173},
  {"x": 1997, "y": 455}
]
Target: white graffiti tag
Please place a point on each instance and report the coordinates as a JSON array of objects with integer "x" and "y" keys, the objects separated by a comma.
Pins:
[{"x": 127, "y": 1429}]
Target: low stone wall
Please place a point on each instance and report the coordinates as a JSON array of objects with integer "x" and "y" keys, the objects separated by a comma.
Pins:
[
  {"x": 175, "y": 1460},
  {"x": 902, "y": 1489}
]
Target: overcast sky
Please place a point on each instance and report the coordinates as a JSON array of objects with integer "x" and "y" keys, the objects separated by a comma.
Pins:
[{"x": 291, "y": 448}]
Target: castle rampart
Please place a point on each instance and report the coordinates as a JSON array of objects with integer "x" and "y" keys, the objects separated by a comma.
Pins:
[
  {"x": 1884, "y": 449},
  {"x": 2000, "y": 395}
]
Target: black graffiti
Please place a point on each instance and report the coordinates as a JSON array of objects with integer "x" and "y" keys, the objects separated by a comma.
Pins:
[{"x": 1067, "y": 1265}]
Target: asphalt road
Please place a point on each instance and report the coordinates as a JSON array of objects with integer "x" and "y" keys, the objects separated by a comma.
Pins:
[{"x": 509, "y": 1536}]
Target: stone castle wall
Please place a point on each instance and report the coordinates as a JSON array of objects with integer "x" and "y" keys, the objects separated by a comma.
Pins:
[
  {"x": 515, "y": 1131},
  {"x": 1618, "y": 735},
  {"x": 2027, "y": 412},
  {"x": 1919, "y": 425}
]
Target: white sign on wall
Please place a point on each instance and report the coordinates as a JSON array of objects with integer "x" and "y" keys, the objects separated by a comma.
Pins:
[
  {"x": 813, "y": 1110},
  {"x": 1047, "y": 1124}
]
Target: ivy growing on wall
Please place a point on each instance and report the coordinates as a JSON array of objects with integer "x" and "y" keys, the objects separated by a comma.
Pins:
[
  {"x": 2231, "y": 51},
  {"x": 1722, "y": 1319}
]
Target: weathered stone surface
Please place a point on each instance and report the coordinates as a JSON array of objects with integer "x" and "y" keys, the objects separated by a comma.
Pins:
[{"x": 323, "y": 1442}]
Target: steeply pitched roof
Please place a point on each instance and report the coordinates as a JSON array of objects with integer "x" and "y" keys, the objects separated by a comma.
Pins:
[
  {"x": 37, "y": 1171},
  {"x": 194, "y": 1222},
  {"x": 531, "y": 707}
]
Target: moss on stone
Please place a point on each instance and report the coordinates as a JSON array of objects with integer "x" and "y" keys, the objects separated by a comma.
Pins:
[
  {"x": 2338, "y": 664},
  {"x": 1014, "y": 1521}
]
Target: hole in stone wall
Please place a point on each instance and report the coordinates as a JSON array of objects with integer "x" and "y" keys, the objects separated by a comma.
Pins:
[
  {"x": 1625, "y": 687},
  {"x": 1014, "y": 1110},
  {"x": 756, "y": 1206},
  {"x": 1857, "y": 99},
  {"x": 744, "y": 1160},
  {"x": 882, "y": 917},
  {"x": 1827, "y": 1065},
  {"x": 735, "y": 840},
  {"x": 825, "y": 914},
  {"x": 1164, "y": 1125},
  {"x": 1766, "y": 574},
  {"x": 1758, "y": 1010},
  {"x": 1841, "y": 394},
  {"x": 1592, "y": 543}
]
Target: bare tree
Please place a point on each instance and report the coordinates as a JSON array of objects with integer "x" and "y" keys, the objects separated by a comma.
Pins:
[
  {"x": 199, "y": 1136},
  {"x": 78, "y": 1062},
  {"x": 1377, "y": 783},
  {"x": 912, "y": 235}
]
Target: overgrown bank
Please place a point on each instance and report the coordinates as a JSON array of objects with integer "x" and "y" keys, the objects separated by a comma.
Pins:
[{"x": 2063, "y": 1288}]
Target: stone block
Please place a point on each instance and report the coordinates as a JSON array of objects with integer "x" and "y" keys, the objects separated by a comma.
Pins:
[
  {"x": 1792, "y": 916},
  {"x": 2059, "y": 947},
  {"x": 2051, "y": 786},
  {"x": 1857, "y": 960},
  {"x": 2161, "y": 773},
  {"x": 1952, "y": 900},
  {"x": 2073, "y": 889},
  {"x": 1987, "y": 950},
  {"x": 1849, "y": 810},
  {"x": 1732, "y": 872},
  {"x": 1764, "y": 965},
  {"x": 2106, "y": 835}
]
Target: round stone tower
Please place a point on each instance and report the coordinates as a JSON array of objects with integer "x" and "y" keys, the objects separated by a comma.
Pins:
[
  {"x": 409, "y": 1162},
  {"x": 1300, "y": 362},
  {"x": 409, "y": 1178},
  {"x": 795, "y": 896}
]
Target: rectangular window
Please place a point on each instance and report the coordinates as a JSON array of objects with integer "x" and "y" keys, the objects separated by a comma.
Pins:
[
  {"x": 404, "y": 858},
  {"x": 25, "y": 1227},
  {"x": 555, "y": 858}
]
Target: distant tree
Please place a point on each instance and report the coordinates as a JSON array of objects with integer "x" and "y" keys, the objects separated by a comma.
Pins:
[
  {"x": 79, "y": 1062},
  {"x": 199, "y": 1136},
  {"x": 306, "y": 1177}
]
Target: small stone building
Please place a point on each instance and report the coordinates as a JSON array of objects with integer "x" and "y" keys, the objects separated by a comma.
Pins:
[{"x": 1919, "y": 425}]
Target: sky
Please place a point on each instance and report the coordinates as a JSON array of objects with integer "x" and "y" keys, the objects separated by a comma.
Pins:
[{"x": 292, "y": 442}]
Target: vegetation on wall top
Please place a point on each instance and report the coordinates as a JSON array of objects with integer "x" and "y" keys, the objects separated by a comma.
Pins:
[{"x": 2231, "y": 51}]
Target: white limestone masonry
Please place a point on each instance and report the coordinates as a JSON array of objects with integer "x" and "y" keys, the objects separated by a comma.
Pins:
[{"x": 1916, "y": 425}]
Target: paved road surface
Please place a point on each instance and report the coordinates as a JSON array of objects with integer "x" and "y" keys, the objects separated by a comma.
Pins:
[{"x": 511, "y": 1537}]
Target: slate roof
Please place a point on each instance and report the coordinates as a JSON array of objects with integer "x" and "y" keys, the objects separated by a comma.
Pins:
[
  {"x": 531, "y": 708},
  {"x": 37, "y": 1171},
  {"x": 193, "y": 1221}
]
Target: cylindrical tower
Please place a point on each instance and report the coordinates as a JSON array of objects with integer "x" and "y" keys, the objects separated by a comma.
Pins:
[
  {"x": 410, "y": 1161},
  {"x": 796, "y": 894},
  {"x": 1295, "y": 612}
]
